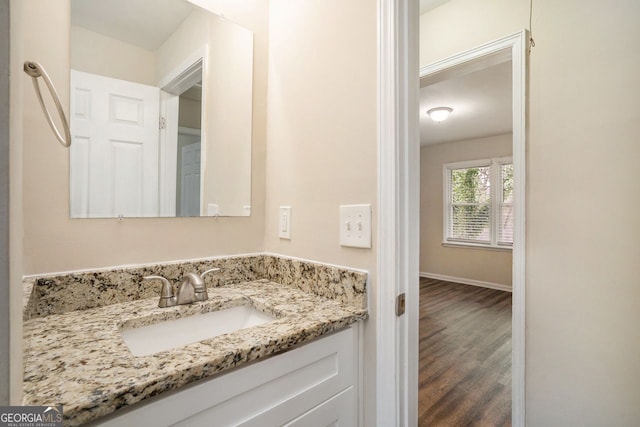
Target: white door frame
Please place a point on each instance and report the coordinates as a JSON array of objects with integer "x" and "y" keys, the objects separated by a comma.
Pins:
[
  {"x": 512, "y": 46},
  {"x": 168, "y": 153},
  {"x": 398, "y": 216},
  {"x": 398, "y": 213},
  {"x": 193, "y": 69}
]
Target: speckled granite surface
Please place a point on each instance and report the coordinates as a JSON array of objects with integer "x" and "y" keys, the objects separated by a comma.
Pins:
[
  {"x": 62, "y": 293},
  {"x": 78, "y": 359},
  {"x": 347, "y": 286}
]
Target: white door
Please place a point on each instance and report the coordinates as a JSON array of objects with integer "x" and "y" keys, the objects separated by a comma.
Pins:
[
  {"x": 190, "y": 180},
  {"x": 114, "y": 154}
]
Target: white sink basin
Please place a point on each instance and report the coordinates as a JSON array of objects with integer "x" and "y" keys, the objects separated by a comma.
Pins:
[{"x": 169, "y": 334}]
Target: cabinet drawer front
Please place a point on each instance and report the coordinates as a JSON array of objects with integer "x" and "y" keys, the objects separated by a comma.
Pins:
[{"x": 337, "y": 411}]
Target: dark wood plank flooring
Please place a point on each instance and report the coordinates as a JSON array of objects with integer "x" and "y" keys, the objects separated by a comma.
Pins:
[{"x": 465, "y": 355}]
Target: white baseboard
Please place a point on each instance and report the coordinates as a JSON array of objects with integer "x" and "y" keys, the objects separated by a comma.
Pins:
[{"x": 464, "y": 281}]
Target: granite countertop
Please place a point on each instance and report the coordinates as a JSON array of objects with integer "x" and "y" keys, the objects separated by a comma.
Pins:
[{"x": 79, "y": 359}]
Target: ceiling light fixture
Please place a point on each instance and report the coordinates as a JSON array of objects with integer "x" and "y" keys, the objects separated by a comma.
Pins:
[{"x": 439, "y": 114}]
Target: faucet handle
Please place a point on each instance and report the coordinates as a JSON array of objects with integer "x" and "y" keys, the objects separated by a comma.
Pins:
[
  {"x": 198, "y": 284},
  {"x": 167, "y": 298},
  {"x": 211, "y": 270}
]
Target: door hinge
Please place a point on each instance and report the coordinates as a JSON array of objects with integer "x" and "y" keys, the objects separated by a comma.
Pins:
[
  {"x": 400, "y": 303},
  {"x": 163, "y": 123}
]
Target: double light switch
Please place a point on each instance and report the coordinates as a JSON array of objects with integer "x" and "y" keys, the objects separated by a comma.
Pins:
[{"x": 355, "y": 226}]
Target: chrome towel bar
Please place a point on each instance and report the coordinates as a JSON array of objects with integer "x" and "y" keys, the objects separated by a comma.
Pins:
[{"x": 35, "y": 70}]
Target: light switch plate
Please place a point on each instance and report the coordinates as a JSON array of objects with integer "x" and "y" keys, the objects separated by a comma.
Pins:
[
  {"x": 284, "y": 222},
  {"x": 213, "y": 209},
  {"x": 355, "y": 226}
]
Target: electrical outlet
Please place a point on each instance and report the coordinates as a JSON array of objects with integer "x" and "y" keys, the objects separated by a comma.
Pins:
[
  {"x": 284, "y": 222},
  {"x": 355, "y": 226}
]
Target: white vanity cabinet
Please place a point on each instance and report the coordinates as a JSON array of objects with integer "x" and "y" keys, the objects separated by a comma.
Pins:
[{"x": 316, "y": 384}]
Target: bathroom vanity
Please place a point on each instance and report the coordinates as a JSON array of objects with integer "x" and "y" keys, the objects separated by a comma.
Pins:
[
  {"x": 300, "y": 365},
  {"x": 313, "y": 384}
]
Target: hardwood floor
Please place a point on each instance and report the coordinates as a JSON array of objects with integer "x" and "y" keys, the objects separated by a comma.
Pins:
[{"x": 465, "y": 355}]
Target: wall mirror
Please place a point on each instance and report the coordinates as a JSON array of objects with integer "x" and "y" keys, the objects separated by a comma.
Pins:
[{"x": 161, "y": 104}]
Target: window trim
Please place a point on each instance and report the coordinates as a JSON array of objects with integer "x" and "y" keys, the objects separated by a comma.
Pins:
[
  {"x": 497, "y": 179},
  {"x": 496, "y": 183}
]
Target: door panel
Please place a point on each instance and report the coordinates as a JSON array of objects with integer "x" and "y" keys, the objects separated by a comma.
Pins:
[{"x": 115, "y": 149}]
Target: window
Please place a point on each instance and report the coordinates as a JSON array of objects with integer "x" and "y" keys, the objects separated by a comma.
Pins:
[{"x": 478, "y": 201}]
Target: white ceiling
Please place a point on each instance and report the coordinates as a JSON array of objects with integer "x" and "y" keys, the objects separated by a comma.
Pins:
[
  {"x": 427, "y": 5},
  {"x": 144, "y": 23},
  {"x": 481, "y": 102}
]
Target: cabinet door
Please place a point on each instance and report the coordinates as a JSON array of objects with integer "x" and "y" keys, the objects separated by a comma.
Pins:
[
  {"x": 286, "y": 386},
  {"x": 337, "y": 411}
]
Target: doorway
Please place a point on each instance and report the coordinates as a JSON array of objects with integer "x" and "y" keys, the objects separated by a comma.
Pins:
[
  {"x": 188, "y": 179},
  {"x": 182, "y": 138},
  {"x": 466, "y": 235},
  {"x": 508, "y": 49}
]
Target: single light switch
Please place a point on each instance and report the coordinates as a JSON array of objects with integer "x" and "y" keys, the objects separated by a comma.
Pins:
[
  {"x": 355, "y": 226},
  {"x": 213, "y": 209},
  {"x": 284, "y": 222}
]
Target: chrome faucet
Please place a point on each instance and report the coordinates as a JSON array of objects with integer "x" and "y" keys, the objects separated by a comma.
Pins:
[{"x": 192, "y": 288}]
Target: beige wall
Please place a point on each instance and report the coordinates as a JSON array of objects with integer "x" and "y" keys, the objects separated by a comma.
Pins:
[
  {"x": 322, "y": 123},
  {"x": 322, "y": 134},
  {"x": 227, "y": 156},
  {"x": 52, "y": 241},
  {"x": 189, "y": 37},
  {"x": 6, "y": 329},
  {"x": 98, "y": 54},
  {"x": 583, "y": 233},
  {"x": 189, "y": 113},
  {"x": 486, "y": 265}
]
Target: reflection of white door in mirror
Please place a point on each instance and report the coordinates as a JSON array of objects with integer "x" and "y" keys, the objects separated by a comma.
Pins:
[{"x": 114, "y": 155}]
